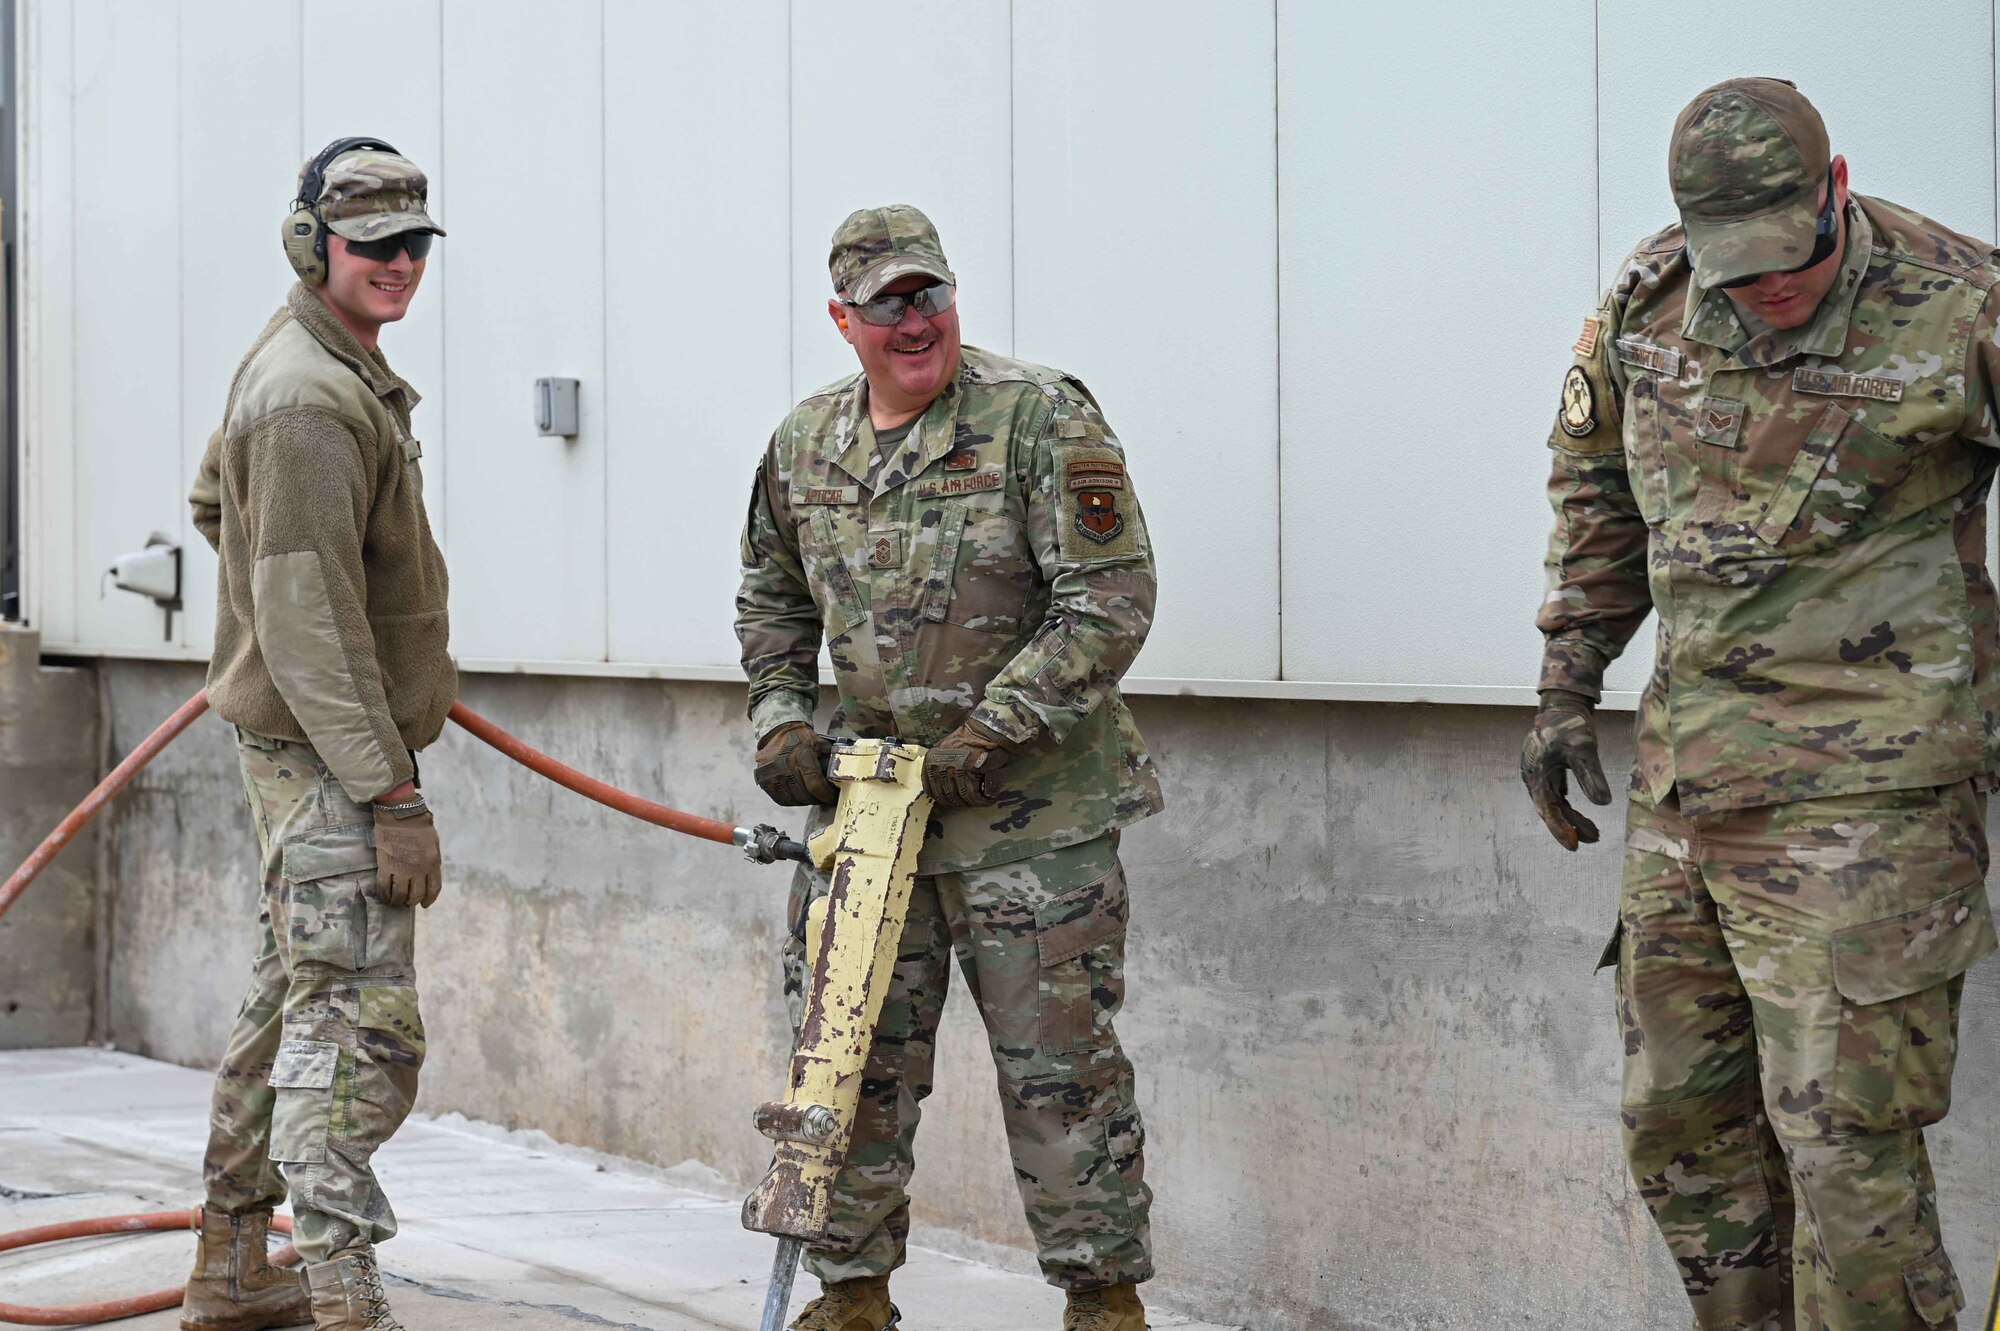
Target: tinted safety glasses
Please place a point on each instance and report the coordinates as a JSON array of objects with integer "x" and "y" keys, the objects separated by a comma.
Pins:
[
  {"x": 1825, "y": 233},
  {"x": 887, "y": 311},
  {"x": 418, "y": 243}
]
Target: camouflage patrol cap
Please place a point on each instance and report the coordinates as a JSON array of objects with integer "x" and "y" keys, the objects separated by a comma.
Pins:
[
  {"x": 875, "y": 246},
  {"x": 1746, "y": 164},
  {"x": 366, "y": 194}
]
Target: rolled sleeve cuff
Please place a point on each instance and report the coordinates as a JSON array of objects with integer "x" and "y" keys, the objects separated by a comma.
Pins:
[
  {"x": 1012, "y": 721},
  {"x": 1575, "y": 666},
  {"x": 780, "y": 708}
]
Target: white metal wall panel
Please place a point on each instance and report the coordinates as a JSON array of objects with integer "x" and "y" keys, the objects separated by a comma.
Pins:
[
  {"x": 231, "y": 273},
  {"x": 1146, "y": 234},
  {"x": 1437, "y": 206},
  {"x": 47, "y": 230},
  {"x": 523, "y": 148},
  {"x": 1332, "y": 359},
  {"x": 699, "y": 308},
  {"x": 127, "y": 300},
  {"x": 1914, "y": 118},
  {"x": 354, "y": 82},
  {"x": 916, "y": 121}
]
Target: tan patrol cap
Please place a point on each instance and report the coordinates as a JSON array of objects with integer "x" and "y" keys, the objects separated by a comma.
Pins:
[
  {"x": 875, "y": 246},
  {"x": 1746, "y": 163}
]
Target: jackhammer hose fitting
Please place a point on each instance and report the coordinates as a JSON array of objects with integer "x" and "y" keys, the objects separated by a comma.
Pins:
[{"x": 765, "y": 844}]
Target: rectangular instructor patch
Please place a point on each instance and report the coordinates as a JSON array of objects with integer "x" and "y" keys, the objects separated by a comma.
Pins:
[{"x": 1097, "y": 518}]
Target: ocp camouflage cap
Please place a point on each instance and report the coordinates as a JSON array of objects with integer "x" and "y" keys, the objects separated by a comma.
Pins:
[
  {"x": 366, "y": 194},
  {"x": 875, "y": 246},
  {"x": 1747, "y": 159}
]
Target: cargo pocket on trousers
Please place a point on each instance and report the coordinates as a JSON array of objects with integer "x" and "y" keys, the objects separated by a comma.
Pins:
[
  {"x": 327, "y": 875},
  {"x": 1080, "y": 937},
  {"x": 1933, "y": 1289},
  {"x": 1899, "y": 982},
  {"x": 302, "y": 1075}
]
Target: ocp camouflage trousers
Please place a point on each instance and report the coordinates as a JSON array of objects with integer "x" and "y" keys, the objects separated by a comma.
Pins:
[
  {"x": 1041, "y": 944},
  {"x": 322, "y": 1066},
  {"x": 1788, "y": 986}
]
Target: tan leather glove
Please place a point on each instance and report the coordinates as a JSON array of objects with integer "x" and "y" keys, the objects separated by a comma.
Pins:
[
  {"x": 962, "y": 770},
  {"x": 409, "y": 870},
  {"x": 1563, "y": 740},
  {"x": 791, "y": 766}
]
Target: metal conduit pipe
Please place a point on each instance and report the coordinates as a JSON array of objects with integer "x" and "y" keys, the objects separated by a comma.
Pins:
[{"x": 763, "y": 844}]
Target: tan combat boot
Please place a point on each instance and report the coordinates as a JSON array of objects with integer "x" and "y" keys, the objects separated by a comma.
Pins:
[
  {"x": 347, "y": 1294},
  {"x": 234, "y": 1286},
  {"x": 1114, "y": 1309},
  {"x": 850, "y": 1305}
]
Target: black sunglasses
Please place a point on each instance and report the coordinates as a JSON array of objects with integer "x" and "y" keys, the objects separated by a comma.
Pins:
[
  {"x": 1825, "y": 233},
  {"x": 887, "y": 311},
  {"x": 418, "y": 243}
]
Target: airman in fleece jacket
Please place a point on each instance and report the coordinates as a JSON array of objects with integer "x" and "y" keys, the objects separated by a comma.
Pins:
[{"x": 331, "y": 624}]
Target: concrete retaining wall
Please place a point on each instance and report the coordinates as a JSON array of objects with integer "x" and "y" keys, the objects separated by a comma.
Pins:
[
  {"x": 1379, "y": 1076},
  {"x": 48, "y": 762}
]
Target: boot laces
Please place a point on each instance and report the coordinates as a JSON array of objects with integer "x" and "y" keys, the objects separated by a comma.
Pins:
[
  {"x": 377, "y": 1301},
  {"x": 830, "y": 1310},
  {"x": 1089, "y": 1312}
]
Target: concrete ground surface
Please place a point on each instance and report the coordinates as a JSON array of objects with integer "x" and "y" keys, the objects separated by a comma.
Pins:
[{"x": 498, "y": 1229}]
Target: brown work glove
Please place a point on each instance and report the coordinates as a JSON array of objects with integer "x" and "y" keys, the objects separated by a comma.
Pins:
[
  {"x": 1562, "y": 740},
  {"x": 962, "y": 771},
  {"x": 791, "y": 766},
  {"x": 409, "y": 871}
]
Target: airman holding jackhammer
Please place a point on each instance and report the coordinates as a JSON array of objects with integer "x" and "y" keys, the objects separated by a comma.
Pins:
[
  {"x": 961, "y": 531},
  {"x": 330, "y": 659},
  {"x": 1779, "y": 432}
]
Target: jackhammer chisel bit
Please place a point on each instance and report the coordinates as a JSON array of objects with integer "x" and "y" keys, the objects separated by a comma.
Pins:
[{"x": 779, "y": 1296}]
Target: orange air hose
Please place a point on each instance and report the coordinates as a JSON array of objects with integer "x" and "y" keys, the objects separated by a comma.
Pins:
[
  {"x": 762, "y": 843},
  {"x": 77, "y": 1314},
  {"x": 66, "y": 830}
]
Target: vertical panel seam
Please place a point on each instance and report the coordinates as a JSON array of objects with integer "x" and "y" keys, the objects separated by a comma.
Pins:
[
  {"x": 1597, "y": 144},
  {"x": 75, "y": 516},
  {"x": 791, "y": 208},
  {"x": 604, "y": 329},
  {"x": 180, "y": 298},
  {"x": 444, "y": 324},
  {"x": 1278, "y": 319}
]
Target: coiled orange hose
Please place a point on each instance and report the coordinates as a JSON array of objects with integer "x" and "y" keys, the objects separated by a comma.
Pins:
[{"x": 110, "y": 1310}]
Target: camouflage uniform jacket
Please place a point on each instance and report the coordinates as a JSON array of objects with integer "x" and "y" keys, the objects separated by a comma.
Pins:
[
  {"x": 1806, "y": 510},
  {"x": 1000, "y": 568}
]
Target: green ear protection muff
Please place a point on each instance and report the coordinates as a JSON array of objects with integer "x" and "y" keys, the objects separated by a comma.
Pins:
[{"x": 305, "y": 233}]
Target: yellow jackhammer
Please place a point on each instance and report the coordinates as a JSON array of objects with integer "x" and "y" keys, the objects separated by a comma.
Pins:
[{"x": 851, "y": 937}]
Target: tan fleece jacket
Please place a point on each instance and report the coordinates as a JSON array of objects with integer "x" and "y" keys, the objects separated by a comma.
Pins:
[{"x": 330, "y": 619}]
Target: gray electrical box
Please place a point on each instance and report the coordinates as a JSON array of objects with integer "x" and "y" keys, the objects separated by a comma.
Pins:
[{"x": 555, "y": 407}]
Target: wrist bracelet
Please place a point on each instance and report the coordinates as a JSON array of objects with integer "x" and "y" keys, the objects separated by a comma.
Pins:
[{"x": 407, "y": 809}]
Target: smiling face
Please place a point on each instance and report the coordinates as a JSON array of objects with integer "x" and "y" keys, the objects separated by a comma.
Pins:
[
  {"x": 908, "y": 364},
  {"x": 1790, "y": 300},
  {"x": 364, "y": 294}
]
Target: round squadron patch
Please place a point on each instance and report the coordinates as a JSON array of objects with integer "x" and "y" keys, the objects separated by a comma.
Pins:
[{"x": 1578, "y": 416}]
